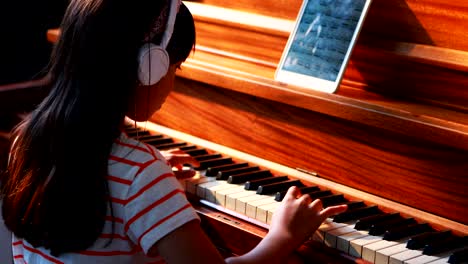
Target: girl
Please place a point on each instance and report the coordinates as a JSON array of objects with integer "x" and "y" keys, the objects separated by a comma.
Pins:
[{"x": 78, "y": 190}]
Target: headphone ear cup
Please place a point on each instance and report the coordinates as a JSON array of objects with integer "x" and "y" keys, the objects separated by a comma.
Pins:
[{"x": 153, "y": 64}]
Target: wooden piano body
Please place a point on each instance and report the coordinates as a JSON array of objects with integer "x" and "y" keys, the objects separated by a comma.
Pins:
[
  {"x": 395, "y": 134},
  {"x": 397, "y": 129}
]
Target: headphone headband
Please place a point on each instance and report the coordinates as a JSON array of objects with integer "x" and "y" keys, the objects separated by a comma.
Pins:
[
  {"x": 167, "y": 17},
  {"x": 174, "y": 7}
]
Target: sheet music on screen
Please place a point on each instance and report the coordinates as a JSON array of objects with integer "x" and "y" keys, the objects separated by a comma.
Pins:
[{"x": 323, "y": 37}]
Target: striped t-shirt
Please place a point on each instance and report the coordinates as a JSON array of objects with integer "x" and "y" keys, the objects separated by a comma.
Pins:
[{"x": 148, "y": 203}]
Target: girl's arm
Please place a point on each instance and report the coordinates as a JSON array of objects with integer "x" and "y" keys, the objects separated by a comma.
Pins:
[
  {"x": 187, "y": 244},
  {"x": 295, "y": 221}
]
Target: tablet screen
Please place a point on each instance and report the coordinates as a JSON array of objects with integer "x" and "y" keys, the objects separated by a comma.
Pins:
[{"x": 321, "y": 43}]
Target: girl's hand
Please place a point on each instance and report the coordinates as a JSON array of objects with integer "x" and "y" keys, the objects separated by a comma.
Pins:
[
  {"x": 177, "y": 158},
  {"x": 299, "y": 217}
]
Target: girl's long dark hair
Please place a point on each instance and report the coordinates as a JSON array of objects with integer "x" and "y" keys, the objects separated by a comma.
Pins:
[{"x": 55, "y": 193}]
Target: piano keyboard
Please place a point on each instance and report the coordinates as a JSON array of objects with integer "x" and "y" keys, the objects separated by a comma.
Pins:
[{"x": 253, "y": 193}]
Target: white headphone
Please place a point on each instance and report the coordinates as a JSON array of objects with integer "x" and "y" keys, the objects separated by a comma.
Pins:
[{"x": 154, "y": 59}]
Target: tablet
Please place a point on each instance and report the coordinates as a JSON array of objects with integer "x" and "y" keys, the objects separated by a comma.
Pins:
[{"x": 320, "y": 45}]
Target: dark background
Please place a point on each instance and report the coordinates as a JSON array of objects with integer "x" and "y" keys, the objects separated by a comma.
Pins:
[{"x": 24, "y": 50}]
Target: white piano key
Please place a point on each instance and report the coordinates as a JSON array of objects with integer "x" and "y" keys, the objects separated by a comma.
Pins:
[
  {"x": 241, "y": 203},
  {"x": 232, "y": 198},
  {"x": 342, "y": 242},
  {"x": 210, "y": 192},
  {"x": 369, "y": 250},
  {"x": 221, "y": 194},
  {"x": 383, "y": 256},
  {"x": 439, "y": 258},
  {"x": 183, "y": 181},
  {"x": 251, "y": 208},
  {"x": 201, "y": 188},
  {"x": 191, "y": 184},
  {"x": 331, "y": 236},
  {"x": 262, "y": 211},
  {"x": 356, "y": 245},
  {"x": 440, "y": 261},
  {"x": 403, "y": 256},
  {"x": 424, "y": 259},
  {"x": 326, "y": 226},
  {"x": 270, "y": 213}
]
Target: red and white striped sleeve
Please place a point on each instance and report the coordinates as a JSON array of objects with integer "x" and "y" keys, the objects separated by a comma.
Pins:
[{"x": 156, "y": 204}]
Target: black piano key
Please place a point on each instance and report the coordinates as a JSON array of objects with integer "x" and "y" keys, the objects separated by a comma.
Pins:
[
  {"x": 309, "y": 189},
  {"x": 188, "y": 147},
  {"x": 443, "y": 245},
  {"x": 313, "y": 191},
  {"x": 367, "y": 222},
  {"x": 214, "y": 162},
  {"x": 357, "y": 213},
  {"x": 158, "y": 141},
  {"x": 148, "y": 137},
  {"x": 318, "y": 194},
  {"x": 137, "y": 132},
  {"x": 355, "y": 204},
  {"x": 333, "y": 199},
  {"x": 195, "y": 152},
  {"x": 280, "y": 195},
  {"x": 173, "y": 145},
  {"x": 224, "y": 174},
  {"x": 213, "y": 171},
  {"x": 208, "y": 156},
  {"x": 277, "y": 187},
  {"x": 380, "y": 228},
  {"x": 253, "y": 185},
  {"x": 406, "y": 231},
  {"x": 459, "y": 257},
  {"x": 419, "y": 241},
  {"x": 249, "y": 176}
]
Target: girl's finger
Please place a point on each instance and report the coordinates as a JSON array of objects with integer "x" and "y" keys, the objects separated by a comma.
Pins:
[
  {"x": 184, "y": 174},
  {"x": 184, "y": 159},
  {"x": 176, "y": 151},
  {"x": 333, "y": 210},
  {"x": 305, "y": 199},
  {"x": 316, "y": 205},
  {"x": 292, "y": 193}
]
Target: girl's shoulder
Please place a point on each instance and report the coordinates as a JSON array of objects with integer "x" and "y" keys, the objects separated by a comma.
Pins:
[
  {"x": 135, "y": 150},
  {"x": 130, "y": 157}
]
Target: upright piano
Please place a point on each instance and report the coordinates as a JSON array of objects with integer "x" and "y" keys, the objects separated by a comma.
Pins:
[
  {"x": 394, "y": 135},
  {"x": 392, "y": 142}
]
